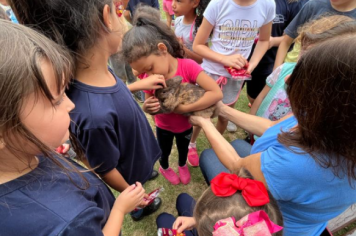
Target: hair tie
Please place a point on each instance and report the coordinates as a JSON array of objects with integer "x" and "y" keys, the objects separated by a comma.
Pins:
[
  {"x": 254, "y": 192},
  {"x": 254, "y": 224}
]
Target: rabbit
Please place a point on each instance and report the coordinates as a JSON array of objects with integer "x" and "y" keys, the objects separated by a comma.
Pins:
[{"x": 177, "y": 93}]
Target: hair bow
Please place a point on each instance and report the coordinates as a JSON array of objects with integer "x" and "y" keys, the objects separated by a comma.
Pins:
[
  {"x": 254, "y": 192},
  {"x": 254, "y": 224}
]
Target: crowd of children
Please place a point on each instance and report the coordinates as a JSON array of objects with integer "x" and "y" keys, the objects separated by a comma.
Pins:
[{"x": 56, "y": 85}]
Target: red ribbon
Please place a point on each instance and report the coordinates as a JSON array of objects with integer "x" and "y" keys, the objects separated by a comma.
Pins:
[{"x": 253, "y": 191}]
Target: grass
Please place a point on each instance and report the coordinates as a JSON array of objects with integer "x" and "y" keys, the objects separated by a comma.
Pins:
[{"x": 147, "y": 226}]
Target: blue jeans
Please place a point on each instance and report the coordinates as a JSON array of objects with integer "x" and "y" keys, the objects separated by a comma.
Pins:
[
  {"x": 185, "y": 205},
  {"x": 210, "y": 164}
]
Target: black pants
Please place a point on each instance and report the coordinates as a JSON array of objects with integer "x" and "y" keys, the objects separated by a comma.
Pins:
[{"x": 165, "y": 141}]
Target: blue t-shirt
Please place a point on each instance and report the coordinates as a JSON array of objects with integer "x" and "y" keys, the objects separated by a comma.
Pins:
[
  {"x": 285, "y": 13},
  {"x": 311, "y": 11},
  {"x": 113, "y": 130},
  {"x": 131, "y": 6},
  {"x": 46, "y": 202},
  {"x": 307, "y": 194}
]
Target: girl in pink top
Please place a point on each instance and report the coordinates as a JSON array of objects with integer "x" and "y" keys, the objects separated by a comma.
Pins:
[{"x": 152, "y": 48}]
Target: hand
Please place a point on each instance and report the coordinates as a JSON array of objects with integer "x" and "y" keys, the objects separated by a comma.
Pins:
[
  {"x": 237, "y": 61},
  {"x": 184, "y": 223},
  {"x": 151, "y": 105},
  {"x": 144, "y": 201},
  {"x": 198, "y": 120},
  {"x": 129, "y": 199},
  {"x": 218, "y": 106},
  {"x": 152, "y": 82},
  {"x": 250, "y": 68},
  {"x": 181, "y": 109}
]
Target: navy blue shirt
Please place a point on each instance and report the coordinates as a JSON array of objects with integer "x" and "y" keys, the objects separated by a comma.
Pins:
[
  {"x": 113, "y": 130},
  {"x": 46, "y": 202},
  {"x": 285, "y": 13},
  {"x": 311, "y": 11},
  {"x": 131, "y": 6}
]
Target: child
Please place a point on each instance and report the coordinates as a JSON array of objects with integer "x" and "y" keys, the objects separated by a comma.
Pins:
[
  {"x": 286, "y": 10},
  {"x": 312, "y": 10},
  {"x": 273, "y": 102},
  {"x": 235, "y": 25},
  {"x": 152, "y": 48},
  {"x": 167, "y": 8},
  {"x": 110, "y": 126},
  {"x": 189, "y": 17},
  {"x": 223, "y": 204},
  {"x": 41, "y": 192}
]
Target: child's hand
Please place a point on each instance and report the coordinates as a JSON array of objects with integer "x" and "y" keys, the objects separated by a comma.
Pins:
[
  {"x": 237, "y": 61},
  {"x": 218, "y": 106},
  {"x": 129, "y": 199},
  {"x": 153, "y": 82},
  {"x": 144, "y": 201},
  {"x": 250, "y": 68},
  {"x": 184, "y": 223},
  {"x": 198, "y": 120},
  {"x": 151, "y": 105}
]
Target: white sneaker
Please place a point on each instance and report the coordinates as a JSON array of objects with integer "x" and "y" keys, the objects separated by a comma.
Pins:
[{"x": 231, "y": 127}]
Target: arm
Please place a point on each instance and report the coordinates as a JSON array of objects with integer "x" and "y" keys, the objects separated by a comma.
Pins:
[
  {"x": 200, "y": 47},
  {"x": 282, "y": 50},
  {"x": 126, "y": 202},
  {"x": 261, "y": 47},
  {"x": 192, "y": 55},
  {"x": 150, "y": 83},
  {"x": 275, "y": 41},
  {"x": 115, "y": 180},
  {"x": 212, "y": 95},
  {"x": 256, "y": 104},
  {"x": 227, "y": 154}
]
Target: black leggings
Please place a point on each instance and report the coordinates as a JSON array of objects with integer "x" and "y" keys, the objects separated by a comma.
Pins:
[{"x": 165, "y": 141}]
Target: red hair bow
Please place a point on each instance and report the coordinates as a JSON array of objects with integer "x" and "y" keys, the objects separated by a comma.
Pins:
[{"x": 254, "y": 192}]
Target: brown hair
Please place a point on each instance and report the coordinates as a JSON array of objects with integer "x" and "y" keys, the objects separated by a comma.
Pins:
[
  {"x": 322, "y": 92},
  {"x": 76, "y": 24},
  {"x": 142, "y": 40},
  {"x": 210, "y": 209},
  {"x": 22, "y": 51},
  {"x": 146, "y": 11},
  {"x": 327, "y": 27}
]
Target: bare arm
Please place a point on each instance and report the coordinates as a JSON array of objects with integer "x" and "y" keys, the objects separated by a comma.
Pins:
[
  {"x": 282, "y": 50},
  {"x": 256, "y": 104},
  {"x": 192, "y": 55},
  {"x": 212, "y": 95},
  {"x": 275, "y": 41},
  {"x": 115, "y": 180},
  {"x": 261, "y": 47},
  {"x": 226, "y": 153}
]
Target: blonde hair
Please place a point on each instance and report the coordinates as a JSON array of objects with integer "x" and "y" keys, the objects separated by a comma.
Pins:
[
  {"x": 322, "y": 29},
  {"x": 210, "y": 209}
]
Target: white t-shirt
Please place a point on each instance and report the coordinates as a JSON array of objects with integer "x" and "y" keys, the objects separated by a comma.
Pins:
[
  {"x": 235, "y": 28},
  {"x": 184, "y": 32}
]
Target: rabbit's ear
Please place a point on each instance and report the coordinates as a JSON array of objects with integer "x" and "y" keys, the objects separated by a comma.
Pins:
[{"x": 174, "y": 82}]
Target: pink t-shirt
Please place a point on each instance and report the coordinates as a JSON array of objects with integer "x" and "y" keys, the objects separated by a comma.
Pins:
[{"x": 176, "y": 123}]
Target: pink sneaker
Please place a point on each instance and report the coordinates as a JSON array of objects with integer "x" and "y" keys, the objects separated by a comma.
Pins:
[
  {"x": 170, "y": 175},
  {"x": 184, "y": 174},
  {"x": 193, "y": 158}
]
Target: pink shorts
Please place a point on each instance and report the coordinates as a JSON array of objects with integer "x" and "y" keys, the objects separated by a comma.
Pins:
[{"x": 167, "y": 7}]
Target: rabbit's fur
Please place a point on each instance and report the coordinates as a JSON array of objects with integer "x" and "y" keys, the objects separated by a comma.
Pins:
[{"x": 177, "y": 93}]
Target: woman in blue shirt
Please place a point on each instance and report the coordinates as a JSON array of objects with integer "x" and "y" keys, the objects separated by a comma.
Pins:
[{"x": 307, "y": 161}]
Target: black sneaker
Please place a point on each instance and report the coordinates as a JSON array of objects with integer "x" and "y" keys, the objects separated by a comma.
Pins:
[{"x": 148, "y": 210}]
